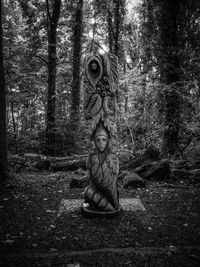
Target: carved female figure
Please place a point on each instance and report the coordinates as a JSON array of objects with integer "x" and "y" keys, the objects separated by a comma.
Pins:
[{"x": 101, "y": 193}]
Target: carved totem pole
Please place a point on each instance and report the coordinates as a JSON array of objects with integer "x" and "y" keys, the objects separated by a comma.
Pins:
[{"x": 101, "y": 81}]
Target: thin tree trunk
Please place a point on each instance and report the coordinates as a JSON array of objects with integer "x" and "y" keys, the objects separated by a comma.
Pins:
[
  {"x": 117, "y": 28},
  {"x": 126, "y": 91},
  {"x": 110, "y": 30},
  {"x": 115, "y": 19},
  {"x": 51, "y": 100},
  {"x": 24, "y": 120},
  {"x": 114, "y": 22},
  {"x": 3, "y": 141},
  {"x": 13, "y": 120},
  {"x": 77, "y": 45}
]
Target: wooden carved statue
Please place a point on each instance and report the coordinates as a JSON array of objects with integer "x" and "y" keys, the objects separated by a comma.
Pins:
[{"x": 101, "y": 80}]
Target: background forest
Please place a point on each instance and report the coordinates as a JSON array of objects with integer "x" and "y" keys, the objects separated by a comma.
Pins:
[
  {"x": 157, "y": 43},
  {"x": 44, "y": 45}
]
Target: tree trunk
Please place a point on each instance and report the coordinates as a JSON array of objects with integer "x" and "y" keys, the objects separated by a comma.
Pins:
[
  {"x": 110, "y": 30},
  {"x": 24, "y": 120},
  {"x": 51, "y": 100},
  {"x": 115, "y": 18},
  {"x": 77, "y": 45},
  {"x": 3, "y": 141},
  {"x": 170, "y": 74},
  {"x": 13, "y": 120}
]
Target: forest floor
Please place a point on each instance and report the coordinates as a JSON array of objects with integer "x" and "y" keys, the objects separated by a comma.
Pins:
[{"x": 32, "y": 233}]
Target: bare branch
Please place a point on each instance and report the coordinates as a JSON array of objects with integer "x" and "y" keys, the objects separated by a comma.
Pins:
[
  {"x": 43, "y": 59},
  {"x": 96, "y": 43}
]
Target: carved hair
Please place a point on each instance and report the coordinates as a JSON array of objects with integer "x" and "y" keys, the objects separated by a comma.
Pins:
[{"x": 100, "y": 130}]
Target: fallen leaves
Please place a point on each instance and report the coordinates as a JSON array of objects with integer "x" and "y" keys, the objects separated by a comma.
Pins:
[{"x": 171, "y": 218}]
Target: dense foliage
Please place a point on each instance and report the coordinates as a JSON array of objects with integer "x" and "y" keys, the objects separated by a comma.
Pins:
[{"x": 158, "y": 100}]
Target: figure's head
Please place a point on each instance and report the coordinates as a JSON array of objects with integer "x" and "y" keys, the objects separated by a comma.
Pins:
[{"x": 101, "y": 139}]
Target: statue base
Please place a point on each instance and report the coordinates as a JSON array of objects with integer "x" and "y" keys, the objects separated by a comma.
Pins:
[{"x": 91, "y": 213}]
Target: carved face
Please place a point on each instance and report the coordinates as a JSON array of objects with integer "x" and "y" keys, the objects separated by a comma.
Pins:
[
  {"x": 94, "y": 66},
  {"x": 101, "y": 142}
]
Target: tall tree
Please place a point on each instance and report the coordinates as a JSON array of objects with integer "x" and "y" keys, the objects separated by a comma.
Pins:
[
  {"x": 170, "y": 73},
  {"x": 52, "y": 23},
  {"x": 76, "y": 61},
  {"x": 115, "y": 19},
  {"x": 3, "y": 141}
]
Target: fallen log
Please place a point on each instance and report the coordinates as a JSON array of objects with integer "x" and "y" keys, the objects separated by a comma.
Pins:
[
  {"x": 70, "y": 165},
  {"x": 151, "y": 154},
  {"x": 42, "y": 162},
  {"x": 147, "y": 166},
  {"x": 65, "y": 159},
  {"x": 133, "y": 180},
  {"x": 159, "y": 170}
]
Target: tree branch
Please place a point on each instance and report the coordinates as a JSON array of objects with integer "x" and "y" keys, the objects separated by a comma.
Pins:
[
  {"x": 43, "y": 59},
  {"x": 96, "y": 43}
]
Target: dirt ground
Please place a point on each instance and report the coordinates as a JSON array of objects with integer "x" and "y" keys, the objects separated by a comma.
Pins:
[{"x": 31, "y": 233}]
